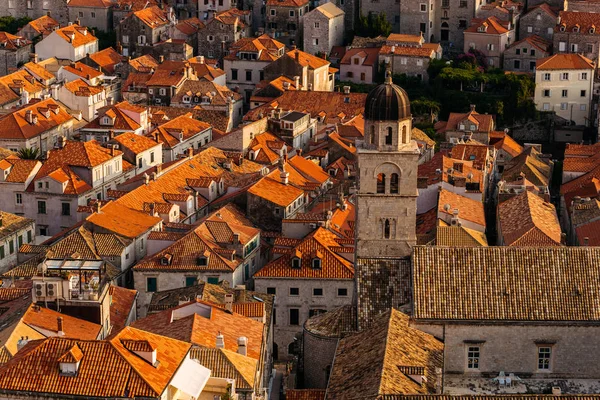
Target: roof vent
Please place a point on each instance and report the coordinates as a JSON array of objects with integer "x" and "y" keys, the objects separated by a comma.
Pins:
[
  {"x": 69, "y": 361},
  {"x": 143, "y": 349},
  {"x": 220, "y": 344}
]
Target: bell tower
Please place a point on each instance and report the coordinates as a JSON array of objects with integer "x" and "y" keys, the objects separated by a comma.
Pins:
[{"x": 386, "y": 203}]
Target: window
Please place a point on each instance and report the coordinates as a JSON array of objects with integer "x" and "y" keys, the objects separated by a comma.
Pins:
[
  {"x": 271, "y": 290},
  {"x": 517, "y": 64},
  {"x": 272, "y": 12},
  {"x": 292, "y": 13},
  {"x": 80, "y": 14},
  {"x": 190, "y": 281},
  {"x": 349, "y": 74},
  {"x": 422, "y": 27},
  {"x": 394, "y": 183},
  {"x": 546, "y": 107},
  {"x": 316, "y": 263},
  {"x": 362, "y": 76},
  {"x": 342, "y": 292},
  {"x": 564, "y": 76},
  {"x": 583, "y": 93},
  {"x": 317, "y": 291},
  {"x": 11, "y": 246},
  {"x": 20, "y": 240},
  {"x": 66, "y": 209},
  {"x": 19, "y": 198},
  {"x": 546, "y": 77},
  {"x": 473, "y": 357},
  {"x": 210, "y": 38},
  {"x": 550, "y": 31},
  {"x": 530, "y": 29},
  {"x": 419, "y": 62},
  {"x": 151, "y": 285},
  {"x": 388, "y": 136},
  {"x": 582, "y": 107},
  {"x": 423, "y": 7},
  {"x": 532, "y": 52},
  {"x": 584, "y": 76},
  {"x": 386, "y": 229},
  {"x": 564, "y": 106},
  {"x": 490, "y": 46},
  {"x": 315, "y": 41},
  {"x": 573, "y": 47},
  {"x": 294, "y": 291},
  {"x": 28, "y": 236},
  {"x": 234, "y": 74},
  {"x": 151, "y": 157},
  {"x": 2, "y": 255},
  {"x": 125, "y": 39},
  {"x": 296, "y": 263},
  {"x": 590, "y": 48},
  {"x": 294, "y": 316},
  {"x": 93, "y": 14},
  {"x": 544, "y": 354},
  {"x": 316, "y": 24},
  {"x": 248, "y": 75},
  {"x": 463, "y": 4},
  {"x": 403, "y": 60},
  {"x": 213, "y": 280},
  {"x": 41, "y": 207},
  {"x": 562, "y": 46},
  {"x": 564, "y": 93},
  {"x": 381, "y": 183},
  {"x": 43, "y": 230}
]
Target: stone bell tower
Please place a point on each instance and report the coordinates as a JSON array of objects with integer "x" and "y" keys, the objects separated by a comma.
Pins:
[{"x": 386, "y": 202}]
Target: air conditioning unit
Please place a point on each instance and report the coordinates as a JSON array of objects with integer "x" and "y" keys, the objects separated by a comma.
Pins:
[
  {"x": 51, "y": 290},
  {"x": 40, "y": 289}
]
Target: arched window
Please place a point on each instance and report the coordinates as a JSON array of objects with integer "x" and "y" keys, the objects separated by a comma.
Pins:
[
  {"x": 372, "y": 135},
  {"x": 388, "y": 135},
  {"x": 386, "y": 229},
  {"x": 381, "y": 183},
  {"x": 404, "y": 135},
  {"x": 394, "y": 183}
]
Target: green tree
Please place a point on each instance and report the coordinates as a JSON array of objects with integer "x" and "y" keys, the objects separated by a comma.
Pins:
[
  {"x": 373, "y": 25},
  {"x": 106, "y": 39},
  {"x": 12, "y": 25},
  {"x": 28, "y": 154}
]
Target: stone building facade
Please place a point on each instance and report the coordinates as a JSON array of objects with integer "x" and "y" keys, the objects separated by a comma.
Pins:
[
  {"x": 418, "y": 17},
  {"x": 14, "y": 52},
  {"x": 577, "y": 33},
  {"x": 540, "y": 21},
  {"x": 521, "y": 56},
  {"x": 391, "y": 9},
  {"x": 323, "y": 29},
  {"x": 97, "y": 15},
  {"x": 219, "y": 33},
  {"x": 491, "y": 37},
  {"x": 35, "y": 9},
  {"x": 284, "y": 20},
  {"x": 143, "y": 29}
]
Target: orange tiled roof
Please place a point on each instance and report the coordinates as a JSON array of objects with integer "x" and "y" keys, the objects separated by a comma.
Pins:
[
  {"x": 564, "y": 61},
  {"x": 82, "y": 70},
  {"x": 80, "y": 88},
  {"x": 189, "y": 26},
  {"x": 306, "y": 59},
  {"x": 509, "y": 145},
  {"x": 370, "y": 55},
  {"x": 168, "y": 133},
  {"x": 287, "y": 3},
  {"x": 107, "y": 59},
  {"x": 267, "y": 47},
  {"x": 408, "y": 51},
  {"x": 528, "y": 220},
  {"x": 143, "y": 63},
  {"x": 483, "y": 122},
  {"x": 49, "y": 115},
  {"x": 491, "y": 26},
  {"x": 73, "y": 328},
  {"x": 271, "y": 189},
  {"x": 124, "y": 221},
  {"x": 20, "y": 169},
  {"x": 35, "y": 368},
  {"x": 202, "y": 323},
  {"x": 536, "y": 41},
  {"x": 153, "y": 17},
  {"x": 135, "y": 143},
  {"x": 169, "y": 73},
  {"x": 317, "y": 244},
  {"x": 90, "y": 3},
  {"x": 266, "y": 147},
  {"x": 12, "y": 42},
  {"x": 76, "y": 35},
  {"x": 469, "y": 210},
  {"x": 121, "y": 120},
  {"x": 122, "y": 302},
  {"x": 44, "y": 24},
  {"x": 570, "y": 21}
]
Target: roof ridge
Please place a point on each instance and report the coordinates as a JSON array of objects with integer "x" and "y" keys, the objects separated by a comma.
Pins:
[
  {"x": 385, "y": 351},
  {"x": 133, "y": 368}
]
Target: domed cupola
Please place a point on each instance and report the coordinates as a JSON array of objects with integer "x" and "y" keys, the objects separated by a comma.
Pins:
[{"x": 387, "y": 102}]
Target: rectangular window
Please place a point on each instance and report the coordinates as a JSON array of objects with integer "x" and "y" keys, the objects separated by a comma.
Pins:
[
  {"x": 564, "y": 106},
  {"x": 423, "y": 7},
  {"x": 583, "y": 93},
  {"x": 190, "y": 281},
  {"x": 547, "y": 77},
  {"x": 584, "y": 76},
  {"x": 20, "y": 240},
  {"x": 234, "y": 74},
  {"x": 19, "y": 198},
  {"x": 294, "y": 316},
  {"x": 271, "y": 290},
  {"x": 517, "y": 64},
  {"x": 529, "y": 29},
  {"x": 544, "y": 354},
  {"x": 248, "y": 75},
  {"x": 315, "y": 41},
  {"x": 546, "y": 107},
  {"x": 11, "y": 246},
  {"x": 342, "y": 292},
  {"x": 362, "y": 76},
  {"x": 93, "y": 14},
  {"x": 294, "y": 291},
  {"x": 590, "y": 48},
  {"x": 462, "y": 23},
  {"x": 582, "y": 107},
  {"x": 151, "y": 285},
  {"x": 473, "y": 357},
  {"x": 316, "y": 24},
  {"x": 2, "y": 255},
  {"x": 272, "y": 12},
  {"x": 574, "y": 47},
  {"x": 562, "y": 46},
  {"x": 292, "y": 13},
  {"x": 564, "y": 76},
  {"x": 463, "y": 4},
  {"x": 564, "y": 93},
  {"x": 546, "y": 93},
  {"x": 214, "y": 280},
  {"x": 28, "y": 236},
  {"x": 66, "y": 209},
  {"x": 317, "y": 291},
  {"x": 422, "y": 27},
  {"x": 41, "y": 207}
]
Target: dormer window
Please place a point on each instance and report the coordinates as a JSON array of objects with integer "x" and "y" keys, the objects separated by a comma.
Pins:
[
  {"x": 482, "y": 28},
  {"x": 576, "y": 28},
  {"x": 68, "y": 363},
  {"x": 296, "y": 262},
  {"x": 202, "y": 261},
  {"x": 563, "y": 28},
  {"x": 316, "y": 263},
  {"x": 166, "y": 259},
  {"x": 592, "y": 29}
]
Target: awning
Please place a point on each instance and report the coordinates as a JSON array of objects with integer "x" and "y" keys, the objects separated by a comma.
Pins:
[{"x": 191, "y": 378}]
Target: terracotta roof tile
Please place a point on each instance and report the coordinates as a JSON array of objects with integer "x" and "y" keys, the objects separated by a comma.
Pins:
[
  {"x": 334, "y": 323},
  {"x": 459, "y": 236},
  {"x": 305, "y": 394},
  {"x": 107, "y": 59},
  {"x": 469, "y": 210},
  {"x": 44, "y": 24},
  {"x": 76, "y": 35},
  {"x": 14, "y": 125},
  {"x": 153, "y": 17},
  {"x": 370, "y": 55},
  {"x": 564, "y": 61},
  {"x": 135, "y": 143},
  {"x": 227, "y": 364},
  {"x": 73, "y": 328},
  {"x": 489, "y": 26}
]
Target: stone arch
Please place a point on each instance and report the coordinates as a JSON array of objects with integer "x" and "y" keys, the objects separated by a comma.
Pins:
[{"x": 388, "y": 168}]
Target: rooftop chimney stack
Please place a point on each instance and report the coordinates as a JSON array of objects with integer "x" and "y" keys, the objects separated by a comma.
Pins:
[
  {"x": 190, "y": 152},
  {"x": 243, "y": 345},
  {"x": 472, "y": 106},
  {"x": 229, "y": 302},
  {"x": 98, "y": 206},
  {"x": 146, "y": 179},
  {"x": 29, "y": 116},
  {"x": 220, "y": 341},
  {"x": 347, "y": 89},
  {"x": 60, "y": 330}
]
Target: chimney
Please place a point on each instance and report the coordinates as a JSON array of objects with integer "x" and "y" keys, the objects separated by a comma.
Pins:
[
  {"x": 297, "y": 82},
  {"x": 346, "y": 89},
  {"x": 161, "y": 59},
  {"x": 152, "y": 209},
  {"x": 180, "y": 137},
  {"x": 146, "y": 179},
  {"x": 220, "y": 341},
  {"x": 242, "y": 345},
  {"x": 284, "y": 176},
  {"x": 472, "y": 106},
  {"x": 119, "y": 49},
  {"x": 60, "y": 330},
  {"x": 201, "y": 59},
  {"x": 112, "y": 150},
  {"x": 229, "y": 302},
  {"x": 297, "y": 55},
  {"x": 153, "y": 176},
  {"x": 190, "y": 152},
  {"x": 62, "y": 141},
  {"x": 109, "y": 101},
  {"x": 34, "y": 58},
  {"x": 98, "y": 206},
  {"x": 111, "y": 134},
  {"x": 310, "y": 87},
  {"x": 29, "y": 116},
  {"x": 158, "y": 169}
]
